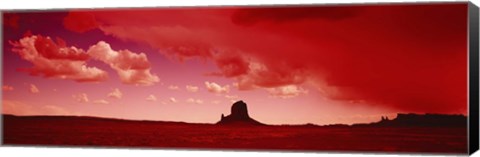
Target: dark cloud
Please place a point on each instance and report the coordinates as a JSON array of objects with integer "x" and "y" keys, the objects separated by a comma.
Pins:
[
  {"x": 279, "y": 14},
  {"x": 410, "y": 57},
  {"x": 11, "y": 20},
  {"x": 80, "y": 22}
]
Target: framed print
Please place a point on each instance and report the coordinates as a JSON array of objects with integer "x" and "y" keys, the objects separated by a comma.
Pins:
[{"x": 385, "y": 77}]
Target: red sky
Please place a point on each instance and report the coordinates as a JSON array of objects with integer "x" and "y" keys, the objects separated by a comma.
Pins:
[{"x": 291, "y": 65}]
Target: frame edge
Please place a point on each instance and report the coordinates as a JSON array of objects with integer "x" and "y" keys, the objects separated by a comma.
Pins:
[{"x": 473, "y": 73}]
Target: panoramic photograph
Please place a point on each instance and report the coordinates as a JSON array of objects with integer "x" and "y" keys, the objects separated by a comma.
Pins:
[{"x": 334, "y": 78}]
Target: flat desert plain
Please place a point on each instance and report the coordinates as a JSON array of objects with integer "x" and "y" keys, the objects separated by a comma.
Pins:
[{"x": 99, "y": 132}]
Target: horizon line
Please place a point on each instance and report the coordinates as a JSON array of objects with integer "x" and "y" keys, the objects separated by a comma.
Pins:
[{"x": 166, "y": 121}]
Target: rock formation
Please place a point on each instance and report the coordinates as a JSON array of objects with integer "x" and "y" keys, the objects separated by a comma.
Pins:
[
  {"x": 238, "y": 115},
  {"x": 420, "y": 120}
]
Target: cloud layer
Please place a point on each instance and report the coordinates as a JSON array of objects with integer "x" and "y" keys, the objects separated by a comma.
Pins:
[
  {"x": 33, "y": 89},
  {"x": 151, "y": 97},
  {"x": 216, "y": 88},
  {"x": 101, "y": 101},
  {"x": 191, "y": 88},
  {"x": 82, "y": 97},
  {"x": 116, "y": 93},
  {"x": 287, "y": 91},
  {"x": 349, "y": 53},
  {"x": 131, "y": 67},
  {"x": 55, "y": 60},
  {"x": 393, "y": 56}
]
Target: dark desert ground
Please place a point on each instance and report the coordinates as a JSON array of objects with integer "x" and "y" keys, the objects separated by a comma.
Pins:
[{"x": 101, "y": 132}]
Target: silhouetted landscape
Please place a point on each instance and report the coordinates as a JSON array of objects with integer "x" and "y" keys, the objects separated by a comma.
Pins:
[
  {"x": 368, "y": 78},
  {"x": 406, "y": 133}
]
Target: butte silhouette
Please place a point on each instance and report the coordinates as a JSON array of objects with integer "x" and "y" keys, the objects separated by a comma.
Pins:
[{"x": 238, "y": 116}]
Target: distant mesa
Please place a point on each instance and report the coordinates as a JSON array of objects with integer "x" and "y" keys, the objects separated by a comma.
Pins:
[
  {"x": 238, "y": 116},
  {"x": 421, "y": 120}
]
